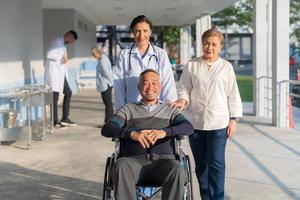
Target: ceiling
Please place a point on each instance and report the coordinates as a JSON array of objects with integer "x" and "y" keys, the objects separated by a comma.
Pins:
[{"x": 161, "y": 12}]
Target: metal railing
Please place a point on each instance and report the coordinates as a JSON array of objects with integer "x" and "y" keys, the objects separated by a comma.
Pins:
[{"x": 292, "y": 97}]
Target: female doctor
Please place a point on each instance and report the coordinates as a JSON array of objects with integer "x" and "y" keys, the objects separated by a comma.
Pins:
[{"x": 141, "y": 56}]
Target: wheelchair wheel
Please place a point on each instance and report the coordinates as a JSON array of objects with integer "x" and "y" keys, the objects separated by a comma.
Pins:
[
  {"x": 107, "y": 192},
  {"x": 189, "y": 186}
]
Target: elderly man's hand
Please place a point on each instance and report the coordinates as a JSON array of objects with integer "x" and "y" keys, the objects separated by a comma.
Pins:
[
  {"x": 147, "y": 137},
  {"x": 154, "y": 135},
  {"x": 142, "y": 138}
]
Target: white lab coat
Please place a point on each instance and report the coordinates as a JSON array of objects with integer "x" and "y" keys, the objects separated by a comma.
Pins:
[
  {"x": 126, "y": 91},
  {"x": 55, "y": 69}
]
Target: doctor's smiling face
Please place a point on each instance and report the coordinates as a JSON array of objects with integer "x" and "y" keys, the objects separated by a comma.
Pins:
[
  {"x": 141, "y": 28},
  {"x": 141, "y": 32}
]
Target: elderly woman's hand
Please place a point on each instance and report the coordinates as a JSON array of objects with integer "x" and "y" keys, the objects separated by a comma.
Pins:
[
  {"x": 231, "y": 128},
  {"x": 180, "y": 104}
]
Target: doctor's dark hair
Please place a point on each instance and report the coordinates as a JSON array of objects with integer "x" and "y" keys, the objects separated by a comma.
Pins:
[
  {"x": 73, "y": 33},
  {"x": 140, "y": 19}
]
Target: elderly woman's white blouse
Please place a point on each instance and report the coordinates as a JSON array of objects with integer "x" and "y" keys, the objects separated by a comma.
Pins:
[{"x": 213, "y": 95}]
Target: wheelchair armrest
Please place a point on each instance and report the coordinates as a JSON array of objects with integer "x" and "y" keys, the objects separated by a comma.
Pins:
[
  {"x": 116, "y": 140},
  {"x": 177, "y": 146}
]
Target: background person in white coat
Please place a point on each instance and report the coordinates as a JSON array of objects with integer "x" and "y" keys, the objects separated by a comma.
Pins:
[{"x": 56, "y": 75}]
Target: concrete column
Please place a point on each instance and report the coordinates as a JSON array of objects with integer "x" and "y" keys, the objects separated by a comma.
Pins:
[
  {"x": 202, "y": 24},
  {"x": 185, "y": 44},
  {"x": 21, "y": 43},
  {"x": 280, "y": 62},
  {"x": 260, "y": 55},
  {"x": 269, "y": 60}
]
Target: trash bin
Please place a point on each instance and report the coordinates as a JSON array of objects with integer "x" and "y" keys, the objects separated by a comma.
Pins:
[{"x": 8, "y": 118}]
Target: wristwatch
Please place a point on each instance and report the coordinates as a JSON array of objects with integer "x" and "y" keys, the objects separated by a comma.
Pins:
[{"x": 234, "y": 118}]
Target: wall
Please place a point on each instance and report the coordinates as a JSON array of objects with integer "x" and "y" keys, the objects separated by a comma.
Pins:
[
  {"x": 59, "y": 21},
  {"x": 21, "y": 39},
  {"x": 87, "y": 36}
]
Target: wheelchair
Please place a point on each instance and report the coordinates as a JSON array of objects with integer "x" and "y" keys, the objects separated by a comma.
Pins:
[{"x": 147, "y": 192}]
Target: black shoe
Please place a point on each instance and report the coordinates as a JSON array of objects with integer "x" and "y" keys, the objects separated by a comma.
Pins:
[
  {"x": 67, "y": 122},
  {"x": 59, "y": 125},
  {"x": 99, "y": 126}
]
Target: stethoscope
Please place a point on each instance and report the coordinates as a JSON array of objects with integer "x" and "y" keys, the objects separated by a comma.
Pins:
[
  {"x": 129, "y": 57},
  {"x": 129, "y": 66}
]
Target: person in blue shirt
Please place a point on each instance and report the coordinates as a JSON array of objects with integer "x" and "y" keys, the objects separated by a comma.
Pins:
[
  {"x": 104, "y": 80},
  {"x": 141, "y": 56}
]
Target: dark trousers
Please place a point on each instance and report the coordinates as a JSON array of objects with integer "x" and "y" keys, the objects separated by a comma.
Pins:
[
  {"x": 107, "y": 100},
  {"x": 66, "y": 103},
  {"x": 208, "y": 148},
  {"x": 131, "y": 171}
]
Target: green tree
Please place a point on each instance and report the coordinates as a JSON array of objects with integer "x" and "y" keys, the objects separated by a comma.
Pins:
[
  {"x": 295, "y": 19},
  {"x": 241, "y": 13},
  {"x": 238, "y": 14},
  {"x": 226, "y": 17},
  {"x": 171, "y": 36},
  {"x": 245, "y": 14},
  {"x": 171, "y": 33}
]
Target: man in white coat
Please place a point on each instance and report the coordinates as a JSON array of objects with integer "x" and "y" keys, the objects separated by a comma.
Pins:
[{"x": 56, "y": 75}]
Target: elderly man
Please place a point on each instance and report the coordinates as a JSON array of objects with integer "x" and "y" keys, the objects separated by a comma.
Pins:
[{"x": 145, "y": 130}]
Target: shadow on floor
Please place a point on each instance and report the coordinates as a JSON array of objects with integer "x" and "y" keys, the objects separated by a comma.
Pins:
[
  {"x": 285, "y": 188},
  {"x": 89, "y": 124},
  {"x": 21, "y": 183}
]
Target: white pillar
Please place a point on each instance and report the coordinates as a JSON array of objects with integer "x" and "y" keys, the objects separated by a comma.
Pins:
[
  {"x": 280, "y": 62},
  {"x": 202, "y": 24},
  {"x": 269, "y": 60},
  {"x": 185, "y": 44},
  {"x": 260, "y": 57}
]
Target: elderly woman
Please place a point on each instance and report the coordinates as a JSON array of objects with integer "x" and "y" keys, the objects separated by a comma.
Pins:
[
  {"x": 209, "y": 89},
  {"x": 104, "y": 80}
]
